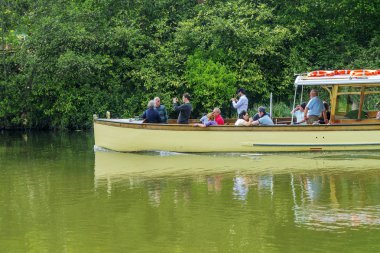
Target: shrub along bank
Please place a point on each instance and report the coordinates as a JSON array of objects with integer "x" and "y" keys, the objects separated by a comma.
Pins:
[{"x": 62, "y": 61}]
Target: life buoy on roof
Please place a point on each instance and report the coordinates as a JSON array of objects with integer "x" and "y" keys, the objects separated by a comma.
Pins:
[
  {"x": 321, "y": 73},
  {"x": 342, "y": 72},
  {"x": 364, "y": 72}
]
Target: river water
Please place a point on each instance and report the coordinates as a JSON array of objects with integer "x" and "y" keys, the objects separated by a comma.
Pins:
[{"x": 60, "y": 194}]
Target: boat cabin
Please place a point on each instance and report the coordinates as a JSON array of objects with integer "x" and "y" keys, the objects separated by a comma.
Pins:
[{"x": 354, "y": 94}]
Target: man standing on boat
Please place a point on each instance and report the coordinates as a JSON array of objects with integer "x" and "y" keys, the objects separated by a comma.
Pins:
[
  {"x": 241, "y": 104},
  {"x": 184, "y": 109},
  {"x": 314, "y": 108},
  {"x": 161, "y": 110},
  {"x": 151, "y": 115}
]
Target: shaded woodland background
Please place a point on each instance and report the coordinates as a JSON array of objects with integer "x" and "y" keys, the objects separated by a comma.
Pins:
[{"x": 64, "y": 60}]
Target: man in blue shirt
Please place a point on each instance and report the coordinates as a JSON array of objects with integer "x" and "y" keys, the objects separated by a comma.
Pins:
[
  {"x": 241, "y": 104},
  {"x": 314, "y": 108},
  {"x": 264, "y": 119}
]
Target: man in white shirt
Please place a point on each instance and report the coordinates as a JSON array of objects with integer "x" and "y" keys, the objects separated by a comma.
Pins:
[
  {"x": 298, "y": 112},
  {"x": 241, "y": 104}
]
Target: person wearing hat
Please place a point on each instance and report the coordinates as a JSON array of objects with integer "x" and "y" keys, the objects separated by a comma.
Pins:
[
  {"x": 264, "y": 119},
  {"x": 241, "y": 104}
]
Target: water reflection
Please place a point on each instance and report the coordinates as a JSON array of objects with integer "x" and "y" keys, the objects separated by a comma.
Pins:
[
  {"x": 214, "y": 183},
  {"x": 329, "y": 191},
  {"x": 58, "y": 195},
  {"x": 333, "y": 201}
]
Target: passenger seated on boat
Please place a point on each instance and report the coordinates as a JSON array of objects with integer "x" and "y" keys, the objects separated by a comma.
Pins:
[
  {"x": 256, "y": 117},
  {"x": 378, "y": 113},
  {"x": 298, "y": 112},
  {"x": 204, "y": 118},
  {"x": 327, "y": 108},
  {"x": 264, "y": 119},
  {"x": 218, "y": 117},
  {"x": 151, "y": 115},
  {"x": 210, "y": 121},
  {"x": 243, "y": 119}
]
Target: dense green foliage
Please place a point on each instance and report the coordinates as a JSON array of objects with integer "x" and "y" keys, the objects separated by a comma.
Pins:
[{"x": 66, "y": 60}]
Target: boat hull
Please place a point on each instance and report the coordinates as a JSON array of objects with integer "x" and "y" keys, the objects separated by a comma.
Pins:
[{"x": 130, "y": 137}]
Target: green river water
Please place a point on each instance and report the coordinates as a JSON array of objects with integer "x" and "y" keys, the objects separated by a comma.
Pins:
[{"x": 60, "y": 194}]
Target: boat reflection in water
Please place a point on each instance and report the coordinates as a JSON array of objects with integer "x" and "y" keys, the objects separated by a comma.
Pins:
[
  {"x": 321, "y": 191},
  {"x": 116, "y": 166}
]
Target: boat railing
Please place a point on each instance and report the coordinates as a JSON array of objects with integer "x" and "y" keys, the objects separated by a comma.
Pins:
[{"x": 231, "y": 121}]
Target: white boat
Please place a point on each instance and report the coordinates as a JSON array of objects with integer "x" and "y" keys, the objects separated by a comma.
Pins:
[{"x": 359, "y": 133}]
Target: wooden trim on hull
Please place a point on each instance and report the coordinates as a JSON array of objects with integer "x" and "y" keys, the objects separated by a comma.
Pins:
[{"x": 176, "y": 127}]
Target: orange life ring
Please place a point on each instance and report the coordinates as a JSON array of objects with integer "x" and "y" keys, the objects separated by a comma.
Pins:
[
  {"x": 320, "y": 73},
  {"x": 364, "y": 72},
  {"x": 342, "y": 72}
]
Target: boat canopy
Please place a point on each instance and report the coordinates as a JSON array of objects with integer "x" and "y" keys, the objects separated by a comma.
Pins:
[{"x": 304, "y": 80}]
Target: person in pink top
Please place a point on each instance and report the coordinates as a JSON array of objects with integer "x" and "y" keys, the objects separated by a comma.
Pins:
[{"x": 218, "y": 118}]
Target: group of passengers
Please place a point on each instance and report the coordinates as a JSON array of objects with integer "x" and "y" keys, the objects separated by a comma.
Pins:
[
  {"x": 314, "y": 112},
  {"x": 261, "y": 118},
  {"x": 213, "y": 118},
  {"x": 156, "y": 113}
]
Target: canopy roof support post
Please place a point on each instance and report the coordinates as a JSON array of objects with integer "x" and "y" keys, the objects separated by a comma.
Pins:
[
  {"x": 334, "y": 101},
  {"x": 271, "y": 105},
  {"x": 294, "y": 102},
  {"x": 362, "y": 89}
]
